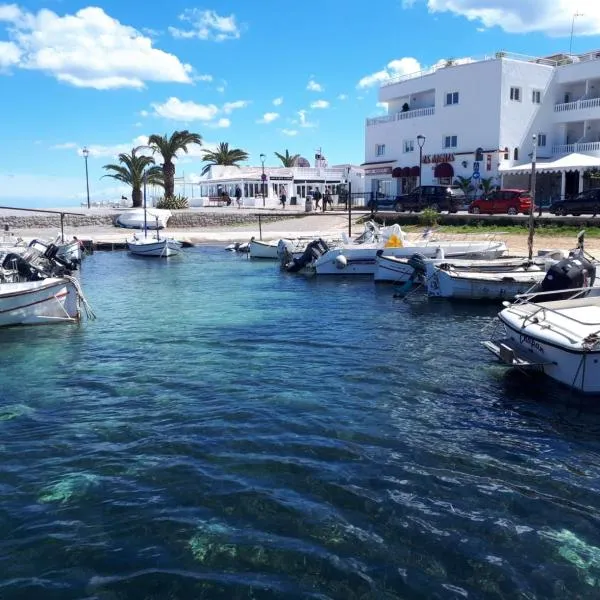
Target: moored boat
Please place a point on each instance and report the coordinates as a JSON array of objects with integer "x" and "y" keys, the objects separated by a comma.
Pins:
[
  {"x": 51, "y": 300},
  {"x": 153, "y": 247},
  {"x": 556, "y": 329}
]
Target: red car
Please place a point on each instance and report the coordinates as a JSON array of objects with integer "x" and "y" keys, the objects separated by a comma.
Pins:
[{"x": 510, "y": 202}]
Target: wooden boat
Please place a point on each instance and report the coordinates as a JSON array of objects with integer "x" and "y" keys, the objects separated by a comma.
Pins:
[{"x": 51, "y": 300}]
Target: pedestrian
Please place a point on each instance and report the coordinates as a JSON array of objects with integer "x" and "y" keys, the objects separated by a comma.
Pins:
[
  {"x": 317, "y": 196},
  {"x": 238, "y": 196},
  {"x": 327, "y": 200},
  {"x": 283, "y": 199}
]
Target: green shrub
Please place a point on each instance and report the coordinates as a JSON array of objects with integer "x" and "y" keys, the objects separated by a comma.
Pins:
[
  {"x": 177, "y": 202},
  {"x": 428, "y": 217}
]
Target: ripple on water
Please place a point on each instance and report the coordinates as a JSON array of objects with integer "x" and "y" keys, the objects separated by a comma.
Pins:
[{"x": 222, "y": 431}]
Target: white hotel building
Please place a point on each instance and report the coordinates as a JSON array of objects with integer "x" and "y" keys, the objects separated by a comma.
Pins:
[{"x": 495, "y": 104}]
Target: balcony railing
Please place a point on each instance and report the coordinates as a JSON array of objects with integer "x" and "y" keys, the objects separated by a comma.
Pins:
[
  {"x": 579, "y": 147},
  {"x": 409, "y": 114},
  {"x": 577, "y": 105}
]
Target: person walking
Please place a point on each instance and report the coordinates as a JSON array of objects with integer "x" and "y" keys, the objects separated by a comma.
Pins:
[
  {"x": 317, "y": 196},
  {"x": 238, "y": 196},
  {"x": 283, "y": 199},
  {"x": 327, "y": 200}
]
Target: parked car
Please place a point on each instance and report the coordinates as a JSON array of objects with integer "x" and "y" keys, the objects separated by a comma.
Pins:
[
  {"x": 585, "y": 203},
  {"x": 381, "y": 201},
  {"x": 510, "y": 202},
  {"x": 437, "y": 197}
]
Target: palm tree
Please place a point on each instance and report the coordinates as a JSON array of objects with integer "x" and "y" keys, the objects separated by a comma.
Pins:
[
  {"x": 486, "y": 185},
  {"x": 131, "y": 171},
  {"x": 168, "y": 147},
  {"x": 464, "y": 183},
  {"x": 287, "y": 159},
  {"x": 223, "y": 155}
]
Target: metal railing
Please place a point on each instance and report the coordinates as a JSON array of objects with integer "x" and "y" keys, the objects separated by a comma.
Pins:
[
  {"x": 577, "y": 105},
  {"x": 399, "y": 116},
  {"x": 577, "y": 147}
]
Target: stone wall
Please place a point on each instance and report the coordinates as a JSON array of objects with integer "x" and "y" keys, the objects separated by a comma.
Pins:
[{"x": 180, "y": 220}]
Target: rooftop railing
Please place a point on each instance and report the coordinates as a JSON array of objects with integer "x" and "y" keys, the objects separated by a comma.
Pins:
[
  {"x": 399, "y": 116},
  {"x": 559, "y": 60}
]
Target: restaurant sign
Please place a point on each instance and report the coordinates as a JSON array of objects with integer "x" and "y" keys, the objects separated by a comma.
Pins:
[
  {"x": 438, "y": 158},
  {"x": 379, "y": 171}
]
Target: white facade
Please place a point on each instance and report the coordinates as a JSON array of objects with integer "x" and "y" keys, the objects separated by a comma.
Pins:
[
  {"x": 296, "y": 182},
  {"x": 495, "y": 104}
]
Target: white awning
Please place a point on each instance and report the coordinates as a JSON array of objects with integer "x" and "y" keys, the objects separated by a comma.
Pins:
[{"x": 570, "y": 162}]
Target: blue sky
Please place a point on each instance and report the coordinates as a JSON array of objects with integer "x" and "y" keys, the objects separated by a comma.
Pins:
[{"x": 264, "y": 76}]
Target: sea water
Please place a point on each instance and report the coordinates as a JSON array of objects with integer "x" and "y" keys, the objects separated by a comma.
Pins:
[{"x": 224, "y": 430}]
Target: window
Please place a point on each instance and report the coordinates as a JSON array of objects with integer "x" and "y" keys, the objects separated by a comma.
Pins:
[
  {"x": 450, "y": 141},
  {"x": 536, "y": 96},
  {"x": 409, "y": 145},
  {"x": 445, "y": 180},
  {"x": 541, "y": 140},
  {"x": 380, "y": 149},
  {"x": 516, "y": 154},
  {"x": 515, "y": 94},
  {"x": 451, "y": 98},
  {"x": 506, "y": 153}
]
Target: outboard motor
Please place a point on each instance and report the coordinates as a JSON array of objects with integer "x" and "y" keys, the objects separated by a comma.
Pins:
[
  {"x": 417, "y": 262},
  {"x": 26, "y": 271},
  {"x": 571, "y": 273},
  {"x": 313, "y": 250}
]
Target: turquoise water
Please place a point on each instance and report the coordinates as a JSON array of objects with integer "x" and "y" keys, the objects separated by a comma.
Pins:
[{"x": 223, "y": 430}]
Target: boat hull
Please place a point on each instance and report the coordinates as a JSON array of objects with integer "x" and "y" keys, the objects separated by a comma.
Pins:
[
  {"x": 573, "y": 367},
  {"x": 53, "y": 300},
  {"x": 156, "y": 218},
  {"x": 480, "y": 286},
  {"x": 160, "y": 248},
  {"x": 264, "y": 250}
]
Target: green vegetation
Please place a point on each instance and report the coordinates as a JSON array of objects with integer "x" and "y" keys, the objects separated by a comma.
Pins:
[
  {"x": 429, "y": 217},
  {"x": 544, "y": 230},
  {"x": 223, "y": 155},
  {"x": 168, "y": 147},
  {"x": 177, "y": 202},
  {"x": 287, "y": 159},
  {"x": 131, "y": 171}
]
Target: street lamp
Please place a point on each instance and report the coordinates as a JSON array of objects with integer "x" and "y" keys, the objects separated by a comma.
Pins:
[
  {"x": 532, "y": 194},
  {"x": 86, "y": 153},
  {"x": 263, "y": 177},
  {"x": 421, "y": 142}
]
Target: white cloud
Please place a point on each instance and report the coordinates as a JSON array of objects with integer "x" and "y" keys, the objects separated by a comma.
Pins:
[
  {"x": 290, "y": 132},
  {"x": 221, "y": 89},
  {"x": 313, "y": 86},
  {"x": 394, "y": 68},
  {"x": 229, "y": 107},
  {"x": 278, "y": 101},
  {"x": 552, "y": 17},
  {"x": 268, "y": 117},
  {"x": 204, "y": 77},
  {"x": 65, "y": 146},
  {"x": 320, "y": 104},
  {"x": 220, "y": 124},
  {"x": 144, "y": 113},
  {"x": 304, "y": 122},
  {"x": 101, "y": 151},
  {"x": 178, "y": 110},
  {"x": 207, "y": 25},
  {"x": 342, "y": 97},
  {"x": 87, "y": 49},
  {"x": 10, "y": 54}
]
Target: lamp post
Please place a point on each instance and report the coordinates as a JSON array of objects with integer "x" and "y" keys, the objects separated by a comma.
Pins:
[
  {"x": 263, "y": 177},
  {"x": 86, "y": 153},
  {"x": 421, "y": 142},
  {"x": 531, "y": 221},
  {"x": 575, "y": 15}
]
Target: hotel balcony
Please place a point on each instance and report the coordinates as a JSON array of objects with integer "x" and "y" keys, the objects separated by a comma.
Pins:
[
  {"x": 400, "y": 116},
  {"x": 578, "y": 147},
  {"x": 577, "y": 105}
]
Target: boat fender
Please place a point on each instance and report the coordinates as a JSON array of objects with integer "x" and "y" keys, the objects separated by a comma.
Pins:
[{"x": 341, "y": 262}]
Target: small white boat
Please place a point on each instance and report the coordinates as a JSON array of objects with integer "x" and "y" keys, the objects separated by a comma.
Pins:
[
  {"x": 264, "y": 249},
  {"x": 133, "y": 218},
  {"x": 52, "y": 300},
  {"x": 362, "y": 259},
  {"x": 481, "y": 285},
  {"x": 145, "y": 246}
]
